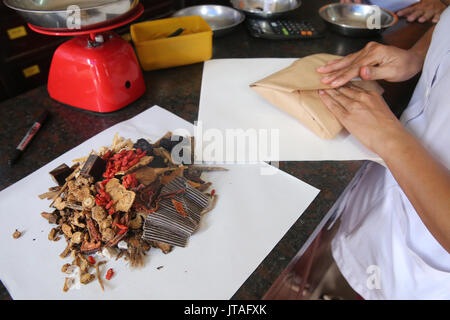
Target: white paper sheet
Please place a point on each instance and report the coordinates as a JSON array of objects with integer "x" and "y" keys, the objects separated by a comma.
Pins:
[
  {"x": 253, "y": 213},
  {"x": 227, "y": 102}
]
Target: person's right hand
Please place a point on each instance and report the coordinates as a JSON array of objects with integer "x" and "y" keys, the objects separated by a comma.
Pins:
[
  {"x": 423, "y": 11},
  {"x": 374, "y": 62},
  {"x": 351, "y": 1}
]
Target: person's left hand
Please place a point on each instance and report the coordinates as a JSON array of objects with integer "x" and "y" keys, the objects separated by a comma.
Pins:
[
  {"x": 365, "y": 115},
  {"x": 423, "y": 11}
]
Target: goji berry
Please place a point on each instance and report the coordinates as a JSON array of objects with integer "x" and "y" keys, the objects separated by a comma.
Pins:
[{"x": 109, "y": 274}]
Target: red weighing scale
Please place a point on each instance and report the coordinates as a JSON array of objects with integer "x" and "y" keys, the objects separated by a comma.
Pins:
[{"x": 97, "y": 70}]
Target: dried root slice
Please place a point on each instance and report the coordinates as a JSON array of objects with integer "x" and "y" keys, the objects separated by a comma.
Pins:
[
  {"x": 51, "y": 217},
  {"x": 52, "y": 234},
  {"x": 66, "y": 268},
  {"x": 97, "y": 270},
  {"x": 66, "y": 252},
  {"x": 86, "y": 278},
  {"x": 123, "y": 198},
  {"x": 59, "y": 204},
  {"x": 165, "y": 248},
  {"x": 88, "y": 202},
  {"x": 17, "y": 234},
  {"x": 77, "y": 237},
  {"x": 67, "y": 229},
  {"x": 67, "y": 284},
  {"x": 48, "y": 195}
]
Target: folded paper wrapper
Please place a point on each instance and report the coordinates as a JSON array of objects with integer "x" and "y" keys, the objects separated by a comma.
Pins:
[{"x": 295, "y": 91}]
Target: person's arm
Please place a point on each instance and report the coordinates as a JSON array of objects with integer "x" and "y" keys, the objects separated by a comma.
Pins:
[
  {"x": 376, "y": 62},
  {"x": 423, "y": 179},
  {"x": 423, "y": 11}
]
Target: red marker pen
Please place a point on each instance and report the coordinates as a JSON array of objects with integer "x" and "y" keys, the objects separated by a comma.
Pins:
[{"x": 28, "y": 136}]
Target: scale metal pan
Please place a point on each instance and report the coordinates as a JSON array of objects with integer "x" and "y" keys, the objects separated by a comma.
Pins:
[{"x": 71, "y": 14}]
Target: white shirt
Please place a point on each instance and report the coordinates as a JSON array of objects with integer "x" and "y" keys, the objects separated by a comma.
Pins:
[{"x": 382, "y": 248}]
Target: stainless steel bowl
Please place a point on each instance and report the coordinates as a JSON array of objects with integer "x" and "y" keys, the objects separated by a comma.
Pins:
[
  {"x": 352, "y": 19},
  {"x": 266, "y": 8},
  {"x": 51, "y": 14},
  {"x": 221, "y": 19}
]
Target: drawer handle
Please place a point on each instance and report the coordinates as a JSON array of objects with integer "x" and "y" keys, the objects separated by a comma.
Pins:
[
  {"x": 17, "y": 32},
  {"x": 31, "y": 71}
]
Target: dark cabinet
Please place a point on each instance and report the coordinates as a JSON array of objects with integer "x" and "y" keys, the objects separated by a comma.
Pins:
[{"x": 25, "y": 55}]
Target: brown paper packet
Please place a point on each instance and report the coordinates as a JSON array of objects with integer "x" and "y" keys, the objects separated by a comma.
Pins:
[{"x": 295, "y": 91}]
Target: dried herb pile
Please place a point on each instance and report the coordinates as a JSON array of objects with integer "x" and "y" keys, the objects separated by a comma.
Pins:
[{"x": 123, "y": 200}]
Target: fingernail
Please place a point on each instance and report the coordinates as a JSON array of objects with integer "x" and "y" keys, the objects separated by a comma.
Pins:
[
  {"x": 366, "y": 73},
  {"x": 335, "y": 83},
  {"x": 321, "y": 92}
]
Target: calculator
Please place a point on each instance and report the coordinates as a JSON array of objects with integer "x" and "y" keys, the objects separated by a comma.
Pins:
[{"x": 282, "y": 29}]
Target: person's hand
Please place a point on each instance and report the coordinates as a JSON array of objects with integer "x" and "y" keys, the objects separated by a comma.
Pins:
[
  {"x": 365, "y": 115},
  {"x": 351, "y": 1},
  {"x": 374, "y": 62},
  {"x": 423, "y": 11}
]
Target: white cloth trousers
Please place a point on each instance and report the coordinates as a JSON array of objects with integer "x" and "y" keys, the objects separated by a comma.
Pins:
[{"x": 382, "y": 247}]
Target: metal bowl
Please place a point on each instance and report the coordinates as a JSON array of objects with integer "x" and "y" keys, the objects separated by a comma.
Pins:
[
  {"x": 354, "y": 19},
  {"x": 59, "y": 15},
  {"x": 266, "y": 8},
  {"x": 222, "y": 20}
]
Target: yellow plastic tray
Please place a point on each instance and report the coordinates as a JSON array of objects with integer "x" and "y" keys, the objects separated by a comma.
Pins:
[{"x": 156, "y": 51}]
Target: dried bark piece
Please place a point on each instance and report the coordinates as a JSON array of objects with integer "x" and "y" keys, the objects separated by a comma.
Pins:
[
  {"x": 93, "y": 231},
  {"x": 166, "y": 136},
  {"x": 90, "y": 247},
  {"x": 73, "y": 206},
  {"x": 148, "y": 175},
  {"x": 85, "y": 278},
  {"x": 60, "y": 173},
  {"x": 67, "y": 284},
  {"x": 66, "y": 252},
  {"x": 123, "y": 198},
  {"x": 204, "y": 187},
  {"x": 178, "y": 172},
  {"x": 116, "y": 240},
  {"x": 48, "y": 195},
  {"x": 93, "y": 167},
  {"x": 52, "y": 234},
  {"x": 51, "y": 217}
]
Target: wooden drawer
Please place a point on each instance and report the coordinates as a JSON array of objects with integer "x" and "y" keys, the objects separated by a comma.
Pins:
[
  {"x": 18, "y": 40},
  {"x": 25, "y": 55},
  {"x": 26, "y": 72}
]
